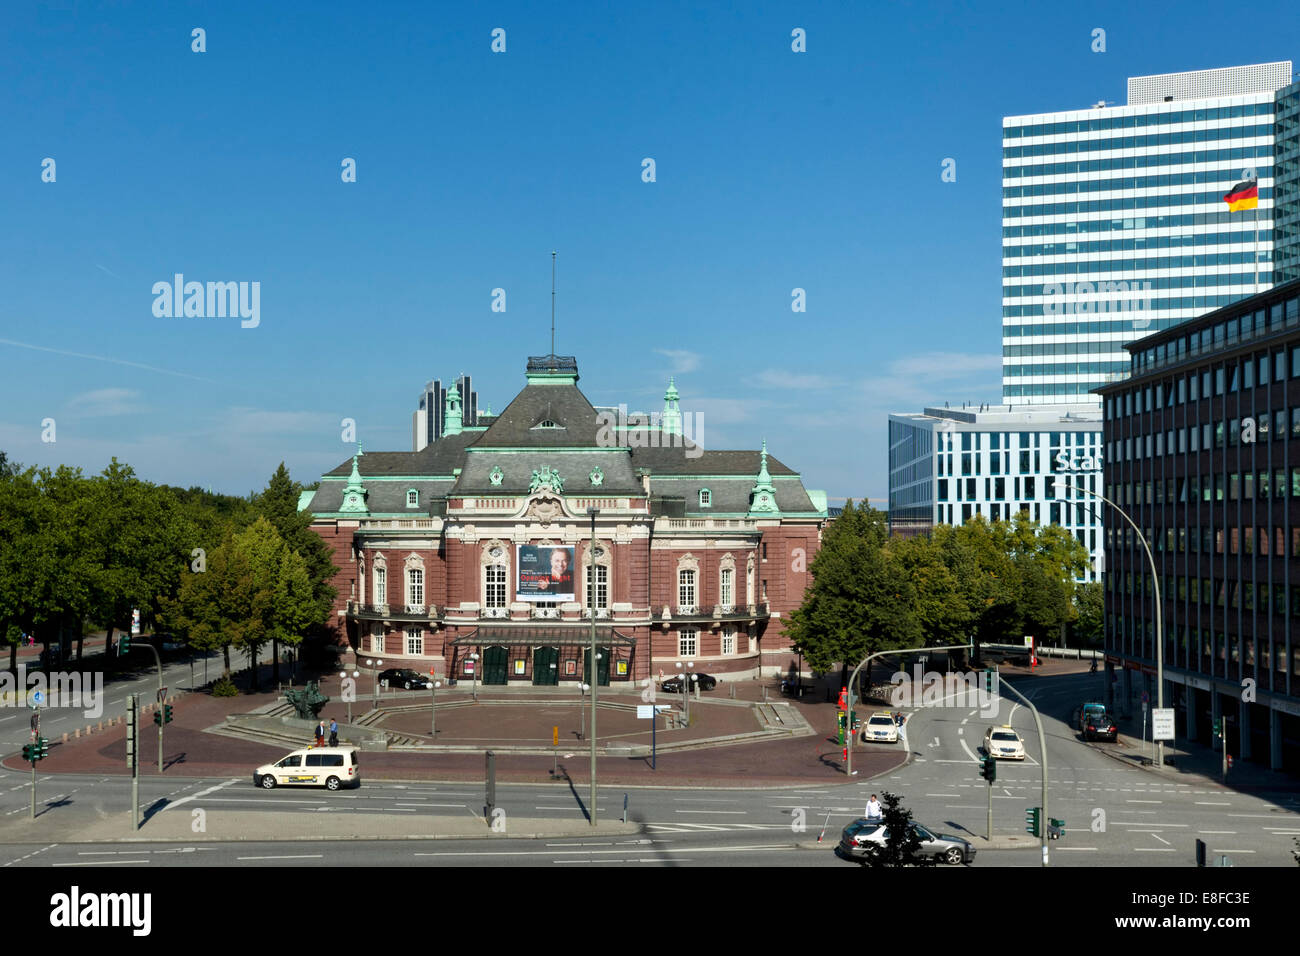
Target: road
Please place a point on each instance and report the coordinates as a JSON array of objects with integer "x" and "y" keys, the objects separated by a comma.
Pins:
[{"x": 1117, "y": 815}]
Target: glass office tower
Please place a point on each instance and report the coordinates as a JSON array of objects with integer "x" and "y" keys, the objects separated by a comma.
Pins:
[{"x": 1114, "y": 224}]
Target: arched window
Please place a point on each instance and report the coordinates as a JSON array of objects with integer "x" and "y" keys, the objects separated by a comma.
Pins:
[
  {"x": 706, "y": 498},
  {"x": 495, "y": 561},
  {"x": 381, "y": 581},
  {"x": 415, "y": 587},
  {"x": 412, "y": 498},
  {"x": 726, "y": 588},
  {"x": 597, "y": 587}
]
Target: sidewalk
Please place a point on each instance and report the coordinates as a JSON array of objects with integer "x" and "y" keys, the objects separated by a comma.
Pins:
[
  {"x": 788, "y": 761},
  {"x": 1186, "y": 759}
]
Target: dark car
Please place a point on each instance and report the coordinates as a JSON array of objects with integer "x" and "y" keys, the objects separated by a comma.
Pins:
[
  {"x": 943, "y": 847},
  {"x": 673, "y": 685},
  {"x": 404, "y": 678},
  {"x": 1099, "y": 727},
  {"x": 1087, "y": 711}
]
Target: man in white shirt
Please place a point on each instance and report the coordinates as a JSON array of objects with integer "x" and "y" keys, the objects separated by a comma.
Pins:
[{"x": 875, "y": 812}]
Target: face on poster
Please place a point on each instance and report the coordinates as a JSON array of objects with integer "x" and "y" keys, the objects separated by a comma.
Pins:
[{"x": 545, "y": 573}]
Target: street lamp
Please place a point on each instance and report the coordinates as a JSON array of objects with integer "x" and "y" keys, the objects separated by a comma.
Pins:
[
  {"x": 374, "y": 685},
  {"x": 355, "y": 675},
  {"x": 593, "y": 677},
  {"x": 1155, "y": 584},
  {"x": 434, "y": 684},
  {"x": 688, "y": 681}
]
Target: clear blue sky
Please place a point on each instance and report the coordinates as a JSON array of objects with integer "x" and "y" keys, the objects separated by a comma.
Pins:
[{"x": 775, "y": 170}]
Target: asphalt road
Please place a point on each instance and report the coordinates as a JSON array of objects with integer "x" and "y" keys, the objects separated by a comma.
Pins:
[{"x": 1116, "y": 815}]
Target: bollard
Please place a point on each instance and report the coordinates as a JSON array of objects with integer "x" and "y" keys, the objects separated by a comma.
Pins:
[
  {"x": 65, "y": 737},
  {"x": 76, "y": 734},
  {"x": 101, "y": 726}
]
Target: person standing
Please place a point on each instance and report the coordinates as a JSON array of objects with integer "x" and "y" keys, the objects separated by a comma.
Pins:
[
  {"x": 875, "y": 813},
  {"x": 334, "y": 732},
  {"x": 320, "y": 733}
]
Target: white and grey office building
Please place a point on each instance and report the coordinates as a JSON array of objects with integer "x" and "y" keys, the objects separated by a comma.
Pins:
[
  {"x": 947, "y": 465},
  {"x": 1114, "y": 225}
]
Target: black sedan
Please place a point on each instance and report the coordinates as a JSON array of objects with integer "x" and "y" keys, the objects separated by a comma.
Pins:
[
  {"x": 1099, "y": 727},
  {"x": 405, "y": 678},
  {"x": 673, "y": 685}
]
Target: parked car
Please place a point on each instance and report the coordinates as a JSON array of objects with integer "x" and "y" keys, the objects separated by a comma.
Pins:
[
  {"x": 1086, "y": 711},
  {"x": 404, "y": 678},
  {"x": 1100, "y": 727},
  {"x": 943, "y": 847},
  {"x": 328, "y": 767},
  {"x": 673, "y": 685}
]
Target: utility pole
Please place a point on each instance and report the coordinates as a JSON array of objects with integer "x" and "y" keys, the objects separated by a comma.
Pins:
[
  {"x": 595, "y": 667},
  {"x": 133, "y": 756},
  {"x": 1045, "y": 819}
]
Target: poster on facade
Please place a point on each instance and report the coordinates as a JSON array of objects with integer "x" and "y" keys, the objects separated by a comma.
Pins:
[{"x": 545, "y": 573}]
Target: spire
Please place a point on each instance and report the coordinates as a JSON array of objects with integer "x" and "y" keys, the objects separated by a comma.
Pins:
[
  {"x": 452, "y": 418},
  {"x": 762, "y": 497},
  {"x": 672, "y": 417},
  {"x": 354, "y": 495}
]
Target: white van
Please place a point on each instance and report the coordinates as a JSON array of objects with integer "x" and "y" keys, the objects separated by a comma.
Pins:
[{"x": 328, "y": 767}]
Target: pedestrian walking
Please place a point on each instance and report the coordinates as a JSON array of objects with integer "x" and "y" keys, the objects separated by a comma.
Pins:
[
  {"x": 875, "y": 813},
  {"x": 320, "y": 733},
  {"x": 334, "y": 732}
]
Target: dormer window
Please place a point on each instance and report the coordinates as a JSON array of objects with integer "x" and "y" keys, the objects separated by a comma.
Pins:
[
  {"x": 412, "y": 498},
  {"x": 547, "y": 424},
  {"x": 706, "y": 498}
]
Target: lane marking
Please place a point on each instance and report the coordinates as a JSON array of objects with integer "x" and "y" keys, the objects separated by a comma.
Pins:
[
  {"x": 100, "y": 863},
  {"x": 299, "y": 856}
]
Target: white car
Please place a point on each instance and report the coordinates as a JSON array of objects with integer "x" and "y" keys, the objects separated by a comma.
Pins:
[
  {"x": 880, "y": 729},
  {"x": 1004, "y": 743},
  {"x": 328, "y": 767}
]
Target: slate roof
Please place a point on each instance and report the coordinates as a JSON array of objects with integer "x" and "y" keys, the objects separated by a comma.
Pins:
[
  {"x": 673, "y": 461},
  {"x": 574, "y": 468},
  {"x": 562, "y": 404},
  {"x": 731, "y": 495}
]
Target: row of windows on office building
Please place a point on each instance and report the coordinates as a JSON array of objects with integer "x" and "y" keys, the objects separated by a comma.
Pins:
[
  {"x": 1197, "y": 303},
  {"x": 1130, "y": 265},
  {"x": 1213, "y": 179},
  {"x": 1265, "y": 541},
  {"x": 1132, "y": 244},
  {"x": 1045, "y": 349},
  {"x": 1263, "y": 485},
  {"x": 1235, "y": 376},
  {"x": 1210, "y": 651},
  {"x": 1259, "y": 156},
  {"x": 1076, "y": 207},
  {"x": 1227, "y": 332},
  {"x": 1109, "y": 121},
  {"x": 995, "y": 489},
  {"x": 1057, "y": 513},
  {"x": 1055, "y": 391},
  {"x": 1076, "y": 326},
  {"x": 1141, "y": 296},
  {"x": 1055, "y": 369},
  {"x": 1172, "y": 221},
  {"x": 1180, "y": 137}
]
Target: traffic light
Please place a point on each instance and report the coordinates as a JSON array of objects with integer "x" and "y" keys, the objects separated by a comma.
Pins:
[
  {"x": 1218, "y": 726},
  {"x": 1057, "y": 828},
  {"x": 29, "y": 752},
  {"x": 123, "y": 645},
  {"x": 167, "y": 713},
  {"x": 989, "y": 768},
  {"x": 1033, "y": 819},
  {"x": 43, "y": 745},
  {"x": 158, "y": 717},
  {"x": 990, "y": 679}
]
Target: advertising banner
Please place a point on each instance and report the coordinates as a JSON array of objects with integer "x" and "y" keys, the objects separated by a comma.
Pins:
[{"x": 545, "y": 573}]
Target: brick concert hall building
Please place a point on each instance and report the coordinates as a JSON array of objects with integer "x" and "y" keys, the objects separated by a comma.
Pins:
[{"x": 479, "y": 544}]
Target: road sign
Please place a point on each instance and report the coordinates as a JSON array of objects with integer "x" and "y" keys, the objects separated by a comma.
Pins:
[
  {"x": 38, "y": 698},
  {"x": 1162, "y": 723},
  {"x": 645, "y": 711},
  {"x": 162, "y": 694}
]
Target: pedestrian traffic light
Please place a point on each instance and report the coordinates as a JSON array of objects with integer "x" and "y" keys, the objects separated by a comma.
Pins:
[
  {"x": 1057, "y": 828},
  {"x": 1033, "y": 819},
  {"x": 167, "y": 713},
  {"x": 989, "y": 768},
  {"x": 124, "y": 644},
  {"x": 1218, "y": 726}
]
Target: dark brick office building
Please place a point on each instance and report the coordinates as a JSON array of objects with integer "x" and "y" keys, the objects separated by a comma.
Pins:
[{"x": 1202, "y": 450}]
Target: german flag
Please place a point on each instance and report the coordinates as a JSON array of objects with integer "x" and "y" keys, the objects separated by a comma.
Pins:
[{"x": 1243, "y": 196}]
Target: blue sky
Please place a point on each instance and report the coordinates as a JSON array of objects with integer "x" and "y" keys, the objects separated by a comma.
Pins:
[{"x": 775, "y": 170}]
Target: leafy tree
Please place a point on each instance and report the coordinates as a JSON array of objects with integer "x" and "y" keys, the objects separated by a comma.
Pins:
[
  {"x": 901, "y": 846},
  {"x": 284, "y": 606},
  {"x": 213, "y": 607},
  {"x": 1090, "y": 612},
  {"x": 860, "y": 601}
]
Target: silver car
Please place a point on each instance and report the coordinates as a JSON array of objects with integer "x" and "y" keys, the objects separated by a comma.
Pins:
[{"x": 943, "y": 847}]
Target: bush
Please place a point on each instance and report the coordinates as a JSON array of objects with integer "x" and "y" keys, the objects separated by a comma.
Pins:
[{"x": 225, "y": 687}]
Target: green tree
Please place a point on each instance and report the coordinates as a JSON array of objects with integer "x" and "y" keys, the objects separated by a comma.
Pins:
[
  {"x": 1090, "y": 612},
  {"x": 283, "y": 603},
  {"x": 860, "y": 601},
  {"x": 213, "y": 606},
  {"x": 901, "y": 846}
]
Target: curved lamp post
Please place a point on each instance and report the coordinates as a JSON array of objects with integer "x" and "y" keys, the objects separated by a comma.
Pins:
[{"x": 1155, "y": 584}]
